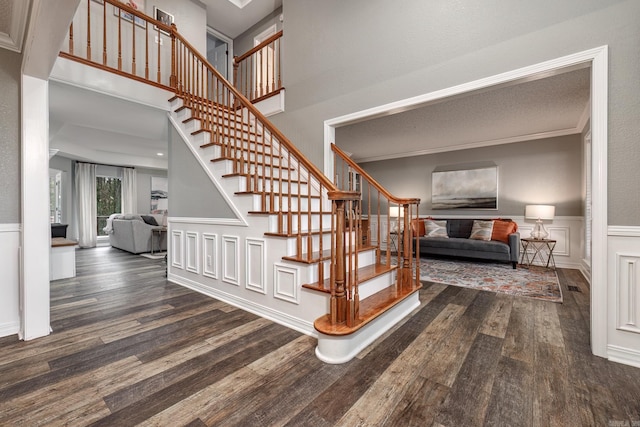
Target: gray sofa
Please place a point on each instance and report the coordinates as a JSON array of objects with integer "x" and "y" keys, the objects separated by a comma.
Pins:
[
  {"x": 131, "y": 233},
  {"x": 458, "y": 243}
]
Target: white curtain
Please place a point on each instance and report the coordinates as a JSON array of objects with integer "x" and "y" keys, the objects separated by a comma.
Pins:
[
  {"x": 86, "y": 205},
  {"x": 129, "y": 191}
]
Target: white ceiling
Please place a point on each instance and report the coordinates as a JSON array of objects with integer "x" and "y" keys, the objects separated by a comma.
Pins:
[
  {"x": 231, "y": 20},
  {"x": 520, "y": 111}
]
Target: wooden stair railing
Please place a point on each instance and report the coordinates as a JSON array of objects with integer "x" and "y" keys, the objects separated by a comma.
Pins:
[
  {"x": 257, "y": 72},
  {"x": 289, "y": 186}
]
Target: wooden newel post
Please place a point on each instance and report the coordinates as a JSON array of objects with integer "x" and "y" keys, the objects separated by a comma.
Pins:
[
  {"x": 173, "y": 79},
  {"x": 340, "y": 293}
]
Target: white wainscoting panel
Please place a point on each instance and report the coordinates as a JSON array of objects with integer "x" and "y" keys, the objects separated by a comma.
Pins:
[
  {"x": 192, "y": 254},
  {"x": 255, "y": 263},
  {"x": 10, "y": 283},
  {"x": 562, "y": 236},
  {"x": 210, "y": 255},
  {"x": 285, "y": 283},
  {"x": 177, "y": 249},
  {"x": 628, "y": 292},
  {"x": 231, "y": 259}
]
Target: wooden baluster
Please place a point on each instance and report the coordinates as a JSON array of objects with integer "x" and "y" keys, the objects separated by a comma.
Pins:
[
  {"x": 333, "y": 301},
  {"x": 119, "y": 42},
  {"x": 104, "y": 34},
  {"x": 71, "y": 38},
  {"x": 235, "y": 74},
  {"x": 273, "y": 66},
  {"x": 320, "y": 234},
  {"x": 89, "y": 30},
  {"x": 174, "y": 69},
  {"x": 146, "y": 52},
  {"x": 279, "y": 63},
  {"x": 133, "y": 46}
]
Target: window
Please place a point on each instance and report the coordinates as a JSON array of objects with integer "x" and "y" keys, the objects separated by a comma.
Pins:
[
  {"x": 109, "y": 199},
  {"x": 55, "y": 196}
]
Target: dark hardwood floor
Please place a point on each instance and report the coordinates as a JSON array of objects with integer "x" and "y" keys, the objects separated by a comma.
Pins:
[{"x": 130, "y": 348}]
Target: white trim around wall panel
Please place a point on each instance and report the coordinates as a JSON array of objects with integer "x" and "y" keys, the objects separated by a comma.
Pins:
[
  {"x": 192, "y": 252},
  {"x": 256, "y": 265},
  {"x": 562, "y": 237},
  {"x": 285, "y": 283},
  {"x": 10, "y": 283},
  {"x": 231, "y": 259},
  {"x": 628, "y": 291},
  {"x": 210, "y": 255},
  {"x": 177, "y": 249}
]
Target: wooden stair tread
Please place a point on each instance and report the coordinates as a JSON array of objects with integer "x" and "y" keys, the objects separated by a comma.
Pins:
[
  {"x": 364, "y": 274},
  {"x": 276, "y": 194},
  {"x": 317, "y": 256},
  {"x": 370, "y": 308},
  {"x": 302, "y": 234}
]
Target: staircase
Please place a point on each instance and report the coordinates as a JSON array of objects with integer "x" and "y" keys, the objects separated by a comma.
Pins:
[{"x": 300, "y": 249}]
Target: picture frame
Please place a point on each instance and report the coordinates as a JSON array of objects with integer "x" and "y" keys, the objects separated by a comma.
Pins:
[
  {"x": 136, "y": 4},
  {"x": 475, "y": 188},
  {"x": 162, "y": 16}
]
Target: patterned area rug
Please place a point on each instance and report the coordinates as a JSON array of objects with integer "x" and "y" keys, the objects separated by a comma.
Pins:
[{"x": 533, "y": 282}]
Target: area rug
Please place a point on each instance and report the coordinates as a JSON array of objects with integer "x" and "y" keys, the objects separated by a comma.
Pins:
[
  {"x": 532, "y": 282},
  {"x": 157, "y": 255}
]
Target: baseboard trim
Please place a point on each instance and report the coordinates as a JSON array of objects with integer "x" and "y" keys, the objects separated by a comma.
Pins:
[
  {"x": 9, "y": 328},
  {"x": 623, "y": 355},
  {"x": 259, "y": 310}
]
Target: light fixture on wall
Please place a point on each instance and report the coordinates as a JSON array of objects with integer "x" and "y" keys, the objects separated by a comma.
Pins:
[{"x": 539, "y": 213}]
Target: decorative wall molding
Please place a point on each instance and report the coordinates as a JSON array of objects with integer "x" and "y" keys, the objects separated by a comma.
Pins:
[
  {"x": 207, "y": 221},
  {"x": 192, "y": 252},
  {"x": 11, "y": 37},
  {"x": 10, "y": 228},
  {"x": 624, "y": 231},
  {"x": 255, "y": 264},
  {"x": 177, "y": 249},
  {"x": 210, "y": 255},
  {"x": 250, "y": 306},
  {"x": 231, "y": 259},
  {"x": 628, "y": 292},
  {"x": 285, "y": 283},
  {"x": 623, "y": 355},
  {"x": 10, "y": 235}
]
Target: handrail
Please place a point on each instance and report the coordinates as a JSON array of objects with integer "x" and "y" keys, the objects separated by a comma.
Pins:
[
  {"x": 256, "y": 48},
  {"x": 380, "y": 188},
  {"x": 265, "y": 122},
  {"x": 257, "y": 72}
]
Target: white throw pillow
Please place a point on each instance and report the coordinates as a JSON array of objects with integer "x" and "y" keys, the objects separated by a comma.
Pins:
[
  {"x": 435, "y": 228},
  {"x": 481, "y": 230}
]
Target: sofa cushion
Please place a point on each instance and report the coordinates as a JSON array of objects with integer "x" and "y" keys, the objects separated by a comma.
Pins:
[
  {"x": 435, "y": 228},
  {"x": 481, "y": 230},
  {"x": 459, "y": 228},
  {"x": 149, "y": 219},
  {"x": 502, "y": 229},
  {"x": 464, "y": 245}
]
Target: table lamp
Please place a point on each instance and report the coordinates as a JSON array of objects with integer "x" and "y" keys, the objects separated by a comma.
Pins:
[{"x": 539, "y": 213}]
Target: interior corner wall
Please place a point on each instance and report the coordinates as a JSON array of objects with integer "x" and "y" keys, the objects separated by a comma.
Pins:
[
  {"x": 191, "y": 192},
  {"x": 546, "y": 171},
  {"x": 244, "y": 41},
  {"x": 143, "y": 182},
  {"x": 190, "y": 18},
  {"x": 343, "y": 57}
]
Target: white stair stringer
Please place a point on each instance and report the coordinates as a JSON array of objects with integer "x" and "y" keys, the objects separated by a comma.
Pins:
[{"x": 236, "y": 260}]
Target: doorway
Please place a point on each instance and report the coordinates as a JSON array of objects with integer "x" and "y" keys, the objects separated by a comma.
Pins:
[
  {"x": 597, "y": 58},
  {"x": 220, "y": 52}
]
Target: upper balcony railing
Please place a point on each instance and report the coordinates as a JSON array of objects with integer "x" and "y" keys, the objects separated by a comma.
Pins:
[{"x": 257, "y": 72}]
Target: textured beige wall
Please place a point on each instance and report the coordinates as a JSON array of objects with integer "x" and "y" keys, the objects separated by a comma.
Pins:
[{"x": 9, "y": 136}]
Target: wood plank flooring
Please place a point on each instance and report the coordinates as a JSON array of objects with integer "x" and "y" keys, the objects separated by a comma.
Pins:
[{"x": 130, "y": 348}]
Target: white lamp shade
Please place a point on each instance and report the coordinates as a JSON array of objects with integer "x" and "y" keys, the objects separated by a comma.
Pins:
[
  {"x": 544, "y": 212},
  {"x": 395, "y": 211}
]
